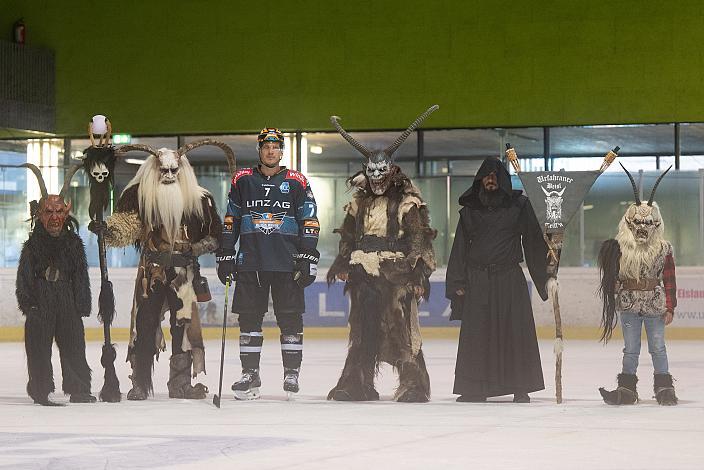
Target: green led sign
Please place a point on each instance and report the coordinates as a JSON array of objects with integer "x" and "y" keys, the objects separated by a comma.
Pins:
[{"x": 121, "y": 138}]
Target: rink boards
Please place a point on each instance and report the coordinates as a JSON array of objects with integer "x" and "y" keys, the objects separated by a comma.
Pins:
[{"x": 327, "y": 306}]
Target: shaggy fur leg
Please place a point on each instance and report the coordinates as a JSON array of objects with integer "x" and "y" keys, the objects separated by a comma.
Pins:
[
  {"x": 37, "y": 343},
  {"x": 136, "y": 393},
  {"x": 664, "y": 390},
  {"x": 180, "y": 379},
  {"x": 74, "y": 367},
  {"x": 414, "y": 382},
  {"x": 354, "y": 384},
  {"x": 625, "y": 394},
  {"x": 147, "y": 322}
]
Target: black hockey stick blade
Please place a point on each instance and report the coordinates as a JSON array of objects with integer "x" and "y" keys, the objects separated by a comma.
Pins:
[{"x": 216, "y": 400}]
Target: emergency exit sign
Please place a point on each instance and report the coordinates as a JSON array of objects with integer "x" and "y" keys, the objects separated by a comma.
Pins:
[{"x": 121, "y": 138}]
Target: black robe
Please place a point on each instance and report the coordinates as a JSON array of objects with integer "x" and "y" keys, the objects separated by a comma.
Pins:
[{"x": 498, "y": 350}]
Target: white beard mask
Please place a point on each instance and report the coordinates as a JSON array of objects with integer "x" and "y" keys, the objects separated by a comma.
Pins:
[{"x": 168, "y": 165}]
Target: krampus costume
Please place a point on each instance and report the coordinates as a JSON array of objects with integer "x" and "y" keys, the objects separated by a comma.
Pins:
[
  {"x": 172, "y": 221},
  {"x": 53, "y": 292},
  {"x": 386, "y": 257},
  {"x": 638, "y": 282}
]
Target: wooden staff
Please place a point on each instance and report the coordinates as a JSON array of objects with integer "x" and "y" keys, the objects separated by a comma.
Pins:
[{"x": 554, "y": 242}]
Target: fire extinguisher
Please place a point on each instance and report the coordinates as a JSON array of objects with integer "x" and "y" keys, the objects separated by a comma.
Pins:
[{"x": 18, "y": 30}]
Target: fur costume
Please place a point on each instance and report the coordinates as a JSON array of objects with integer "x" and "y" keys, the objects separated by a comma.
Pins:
[
  {"x": 172, "y": 221},
  {"x": 638, "y": 277},
  {"x": 53, "y": 293},
  {"x": 386, "y": 250}
]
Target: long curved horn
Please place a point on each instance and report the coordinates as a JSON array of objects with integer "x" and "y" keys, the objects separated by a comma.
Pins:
[
  {"x": 633, "y": 183},
  {"x": 229, "y": 154},
  {"x": 68, "y": 177},
  {"x": 657, "y": 182},
  {"x": 141, "y": 147},
  {"x": 360, "y": 148},
  {"x": 40, "y": 179},
  {"x": 419, "y": 120}
]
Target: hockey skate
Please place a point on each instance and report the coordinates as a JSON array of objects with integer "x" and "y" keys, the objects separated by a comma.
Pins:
[
  {"x": 291, "y": 382},
  {"x": 247, "y": 387}
]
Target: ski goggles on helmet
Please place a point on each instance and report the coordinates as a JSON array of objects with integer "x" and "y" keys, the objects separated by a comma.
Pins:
[{"x": 270, "y": 134}]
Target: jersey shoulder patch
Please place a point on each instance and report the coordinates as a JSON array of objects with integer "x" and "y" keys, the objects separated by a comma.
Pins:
[
  {"x": 240, "y": 173},
  {"x": 298, "y": 176}
]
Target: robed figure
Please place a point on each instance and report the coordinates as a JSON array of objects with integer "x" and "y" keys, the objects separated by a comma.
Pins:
[{"x": 498, "y": 349}]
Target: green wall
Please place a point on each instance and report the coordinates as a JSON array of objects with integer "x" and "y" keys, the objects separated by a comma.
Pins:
[{"x": 165, "y": 67}]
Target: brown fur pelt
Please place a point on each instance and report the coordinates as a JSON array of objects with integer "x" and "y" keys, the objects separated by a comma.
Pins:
[{"x": 383, "y": 309}]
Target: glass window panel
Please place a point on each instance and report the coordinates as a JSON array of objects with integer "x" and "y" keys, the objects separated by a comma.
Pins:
[
  {"x": 596, "y": 141},
  {"x": 691, "y": 146}
]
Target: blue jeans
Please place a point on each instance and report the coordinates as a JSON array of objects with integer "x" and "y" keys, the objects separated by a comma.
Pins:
[{"x": 632, "y": 326}]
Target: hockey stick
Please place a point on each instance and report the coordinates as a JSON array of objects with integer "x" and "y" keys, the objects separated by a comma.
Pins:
[{"x": 216, "y": 398}]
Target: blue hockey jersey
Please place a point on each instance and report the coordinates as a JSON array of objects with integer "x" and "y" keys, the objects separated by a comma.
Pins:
[{"x": 274, "y": 218}]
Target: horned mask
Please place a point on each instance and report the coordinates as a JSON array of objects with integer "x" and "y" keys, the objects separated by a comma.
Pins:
[
  {"x": 169, "y": 161},
  {"x": 52, "y": 210},
  {"x": 643, "y": 218},
  {"x": 379, "y": 166}
]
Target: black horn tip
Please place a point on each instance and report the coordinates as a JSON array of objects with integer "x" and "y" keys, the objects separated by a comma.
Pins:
[{"x": 616, "y": 149}]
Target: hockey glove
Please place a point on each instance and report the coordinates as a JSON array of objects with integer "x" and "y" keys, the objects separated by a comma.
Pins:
[
  {"x": 306, "y": 267},
  {"x": 226, "y": 267}
]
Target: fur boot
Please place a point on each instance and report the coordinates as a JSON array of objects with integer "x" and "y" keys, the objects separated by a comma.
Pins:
[
  {"x": 625, "y": 394},
  {"x": 664, "y": 390},
  {"x": 180, "y": 379},
  {"x": 137, "y": 393},
  {"x": 414, "y": 382}
]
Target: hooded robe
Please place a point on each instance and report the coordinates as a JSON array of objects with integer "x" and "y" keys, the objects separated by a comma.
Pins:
[{"x": 498, "y": 350}]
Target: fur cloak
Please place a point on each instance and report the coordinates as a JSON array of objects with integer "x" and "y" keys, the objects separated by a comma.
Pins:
[
  {"x": 53, "y": 293},
  {"x": 386, "y": 247}
]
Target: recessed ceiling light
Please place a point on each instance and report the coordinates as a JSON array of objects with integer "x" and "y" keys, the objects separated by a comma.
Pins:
[{"x": 316, "y": 149}]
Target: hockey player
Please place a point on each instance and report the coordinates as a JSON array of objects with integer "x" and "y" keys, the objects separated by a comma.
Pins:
[
  {"x": 638, "y": 282},
  {"x": 272, "y": 212}
]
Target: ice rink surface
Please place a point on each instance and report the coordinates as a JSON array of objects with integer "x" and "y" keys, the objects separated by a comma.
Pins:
[{"x": 312, "y": 433}]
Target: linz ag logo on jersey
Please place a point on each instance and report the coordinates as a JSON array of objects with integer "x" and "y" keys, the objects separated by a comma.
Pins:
[{"x": 269, "y": 203}]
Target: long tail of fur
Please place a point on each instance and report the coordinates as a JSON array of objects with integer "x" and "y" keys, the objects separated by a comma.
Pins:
[
  {"x": 609, "y": 264},
  {"x": 106, "y": 303}
]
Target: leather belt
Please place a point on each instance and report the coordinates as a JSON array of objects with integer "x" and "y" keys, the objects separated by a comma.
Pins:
[
  {"x": 372, "y": 243},
  {"x": 167, "y": 259},
  {"x": 493, "y": 268},
  {"x": 642, "y": 284}
]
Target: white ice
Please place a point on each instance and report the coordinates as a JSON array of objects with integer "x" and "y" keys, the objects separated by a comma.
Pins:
[{"x": 312, "y": 433}]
